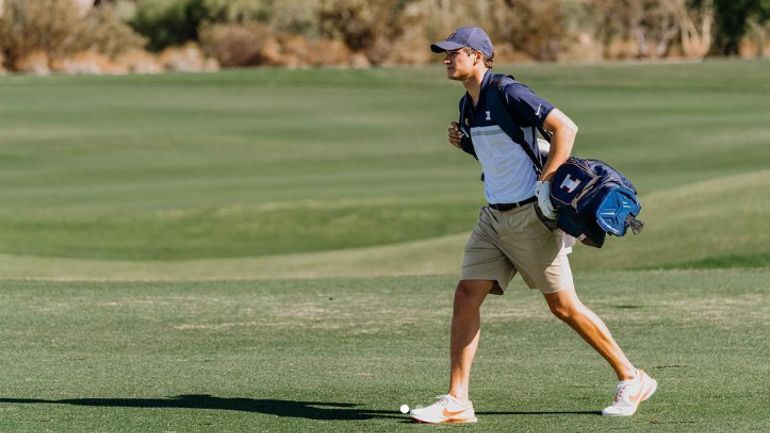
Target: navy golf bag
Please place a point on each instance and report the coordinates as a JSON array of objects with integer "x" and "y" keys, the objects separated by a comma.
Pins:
[{"x": 593, "y": 199}]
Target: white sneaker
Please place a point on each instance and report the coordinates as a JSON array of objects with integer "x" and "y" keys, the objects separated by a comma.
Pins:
[
  {"x": 446, "y": 410},
  {"x": 630, "y": 393}
]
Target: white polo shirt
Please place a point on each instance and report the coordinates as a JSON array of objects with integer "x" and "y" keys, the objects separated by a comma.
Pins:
[{"x": 509, "y": 175}]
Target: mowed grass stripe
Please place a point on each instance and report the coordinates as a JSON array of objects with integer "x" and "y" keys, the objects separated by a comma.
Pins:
[
  {"x": 685, "y": 229},
  {"x": 440, "y": 256}
]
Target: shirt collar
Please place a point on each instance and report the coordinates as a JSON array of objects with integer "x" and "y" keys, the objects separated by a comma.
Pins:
[
  {"x": 483, "y": 87},
  {"x": 487, "y": 77}
]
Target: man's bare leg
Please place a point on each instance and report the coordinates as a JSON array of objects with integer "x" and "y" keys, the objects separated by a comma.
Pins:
[
  {"x": 465, "y": 333},
  {"x": 566, "y": 306}
]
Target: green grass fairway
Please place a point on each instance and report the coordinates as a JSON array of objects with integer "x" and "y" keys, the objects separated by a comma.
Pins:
[
  {"x": 341, "y": 355},
  {"x": 276, "y": 251},
  {"x": 254, "y": 170}
]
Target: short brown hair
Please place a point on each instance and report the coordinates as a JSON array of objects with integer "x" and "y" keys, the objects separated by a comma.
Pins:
[{"x": 488, "y": 60}]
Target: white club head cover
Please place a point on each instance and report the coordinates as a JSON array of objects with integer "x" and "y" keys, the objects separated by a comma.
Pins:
[{"x": 543, "y": 193}]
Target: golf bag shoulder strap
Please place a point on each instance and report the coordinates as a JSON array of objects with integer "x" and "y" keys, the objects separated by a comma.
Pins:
[
  {"x": 498, "y": 80},
  {"x": 466, "y": 144},
  {"x": 501, "y": 111},
  {"x": 498, "y": 105}
]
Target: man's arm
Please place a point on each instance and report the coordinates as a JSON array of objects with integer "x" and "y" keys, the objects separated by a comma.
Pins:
[{"x": 564, "y": 131}]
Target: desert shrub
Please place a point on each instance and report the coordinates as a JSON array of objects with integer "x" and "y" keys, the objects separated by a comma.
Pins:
[
  {"x": 237, "y": 11},
  {"x": 168, "y": 22},
  {"x": 283, "y": 16},
  {"x": 255, "y": 44},
  {"x": 102, "y": 31},
  {"x": 45, "y": 26},
  {"x": 410, "y": 43},
  {"x": 352, "y": 21},
  {"x": 756, "y": 43},
  {"x": 295, "y": 16},
  {"x": 55, "y": 29},
  {"x": 173, "y": 22},
  {"x": 533, "y": 28},
  {"x": 235, "y": 44},
  {"x": 316, "y": 51},
  {"x": 366, "y": 27},
  {"x": 519, "y": 30},
  {"x": 654, "y": 28}
]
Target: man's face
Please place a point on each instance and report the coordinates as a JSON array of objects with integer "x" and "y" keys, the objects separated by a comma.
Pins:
[{"x": 460, "y": 63}]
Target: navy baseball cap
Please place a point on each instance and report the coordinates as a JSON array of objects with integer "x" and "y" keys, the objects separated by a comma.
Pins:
[{"x": 471, "y": 37}]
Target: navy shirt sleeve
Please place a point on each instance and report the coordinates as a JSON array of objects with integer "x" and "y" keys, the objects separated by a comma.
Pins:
[{"x": 530, "y": 108}]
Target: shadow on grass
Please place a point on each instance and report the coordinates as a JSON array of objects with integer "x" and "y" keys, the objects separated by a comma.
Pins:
[
  {"x": 578, "y": 412},
  {"x": 285, "y": 408}
]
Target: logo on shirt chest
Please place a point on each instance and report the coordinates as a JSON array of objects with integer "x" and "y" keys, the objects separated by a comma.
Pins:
[{"x": 489, "y": 115}]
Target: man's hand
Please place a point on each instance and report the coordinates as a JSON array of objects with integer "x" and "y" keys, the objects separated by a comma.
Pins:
[
  {"x": 454, "y": 135},
  {"x": 543, "y": 194}
]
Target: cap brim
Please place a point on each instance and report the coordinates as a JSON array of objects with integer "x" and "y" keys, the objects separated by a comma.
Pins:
[{"x": 443, "y": 46}]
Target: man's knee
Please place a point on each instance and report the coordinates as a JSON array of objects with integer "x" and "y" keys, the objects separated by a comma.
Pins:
[
  {"x": 563, "y": 305},
  {"x": 471, "y": 293},
  {"x": 563, "y": 312}
]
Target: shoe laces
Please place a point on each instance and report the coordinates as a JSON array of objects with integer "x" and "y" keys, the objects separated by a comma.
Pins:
[{"x": 621, "y": 388}]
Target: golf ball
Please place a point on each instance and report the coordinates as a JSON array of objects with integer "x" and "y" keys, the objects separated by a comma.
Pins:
[{"x": 404, "y": 408}]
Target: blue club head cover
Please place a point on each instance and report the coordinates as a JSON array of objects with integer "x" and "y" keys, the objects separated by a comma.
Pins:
[{"x": 614, "y": 209}]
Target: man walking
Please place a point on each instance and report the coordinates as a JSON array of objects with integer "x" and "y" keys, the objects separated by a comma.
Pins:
[{"x": 510, "y": 236}]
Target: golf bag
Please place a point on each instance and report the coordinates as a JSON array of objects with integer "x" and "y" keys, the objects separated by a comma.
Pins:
[{"x": 591, "y": 197}]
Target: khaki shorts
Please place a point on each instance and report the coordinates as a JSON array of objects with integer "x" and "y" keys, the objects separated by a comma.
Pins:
[{"x": 503, "y": 243}]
